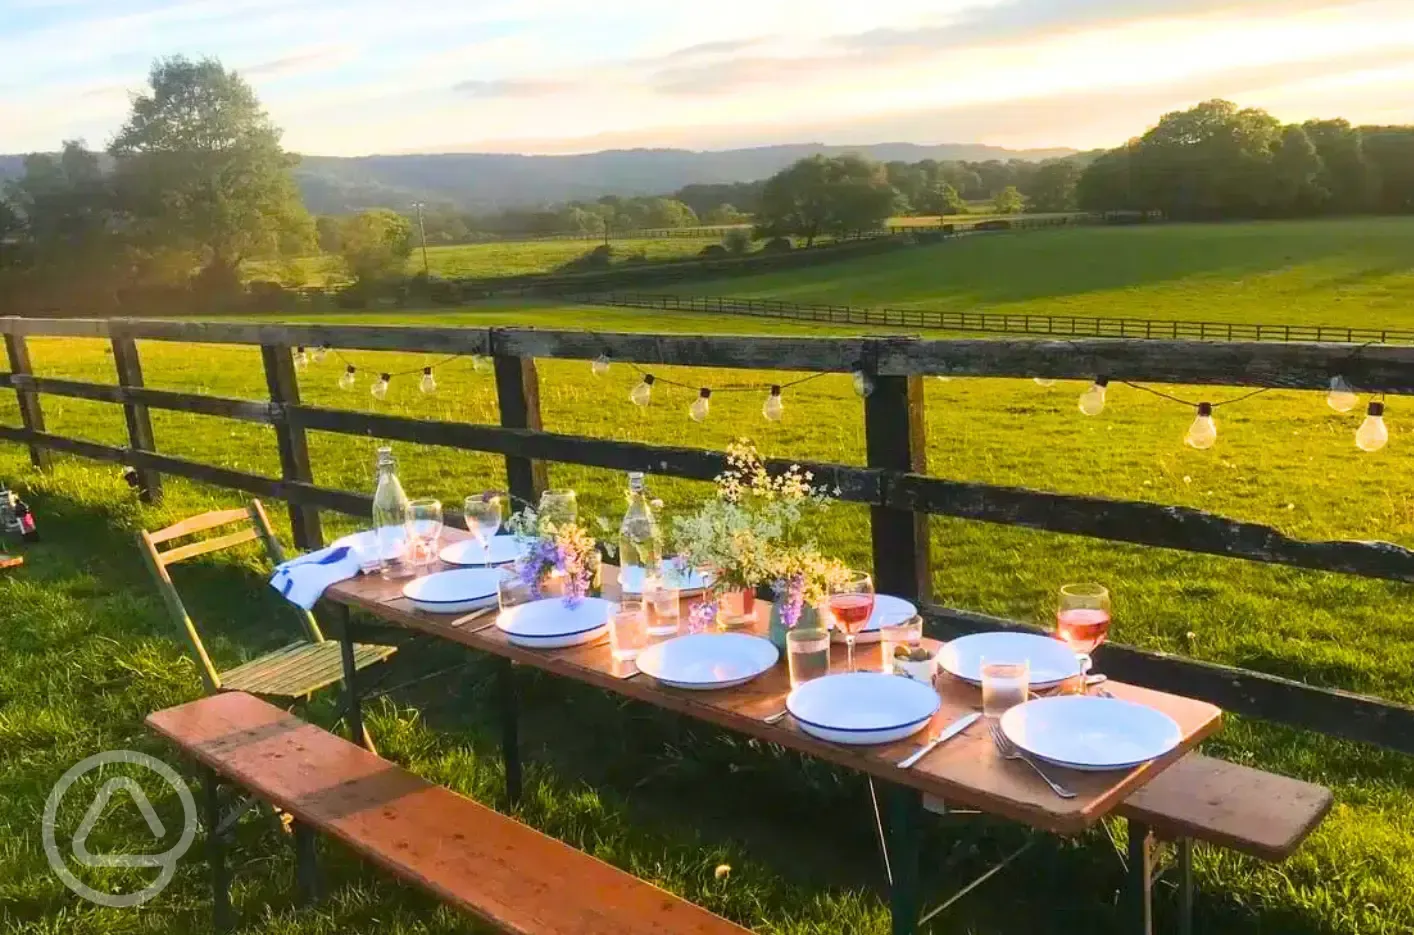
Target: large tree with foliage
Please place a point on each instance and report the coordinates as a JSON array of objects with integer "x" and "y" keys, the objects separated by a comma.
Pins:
[
  {"x": 375, "y": 245},
  {"x": 840, "y": 196},
  {"x": 201, "y": 169},
  {"x": 1052, "y": 186}
]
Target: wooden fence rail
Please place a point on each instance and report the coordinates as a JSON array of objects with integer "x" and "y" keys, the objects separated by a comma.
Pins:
[{"x": 893, "y": 483}]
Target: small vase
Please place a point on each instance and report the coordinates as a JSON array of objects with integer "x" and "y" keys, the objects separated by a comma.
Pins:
[
  {"x": 809, "y": 619},
  {"x": 736, "y": 609}
]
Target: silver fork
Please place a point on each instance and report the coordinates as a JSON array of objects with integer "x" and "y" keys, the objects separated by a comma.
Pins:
[{"x": 1009, "y": 751}]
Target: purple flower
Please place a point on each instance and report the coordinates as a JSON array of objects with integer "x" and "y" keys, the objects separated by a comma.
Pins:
[{"x": 791, "y": 593}]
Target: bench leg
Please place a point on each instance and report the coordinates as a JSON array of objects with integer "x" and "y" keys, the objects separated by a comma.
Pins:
[
  {"x": 357, "y": 733},
  {"x": 510, "y": 728},
  {"x": 306, "y": 864},
  {"x": 216, "y": 852},
  {"x": 1141, "y": 879},
  {"x": 905, "y": 838},
  {"x": 1185, "y": 886}
]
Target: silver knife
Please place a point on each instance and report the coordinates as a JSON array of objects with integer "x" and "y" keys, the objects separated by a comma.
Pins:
[{"x": 947, "y": 733}]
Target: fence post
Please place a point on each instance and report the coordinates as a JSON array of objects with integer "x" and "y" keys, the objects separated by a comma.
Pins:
[
  {"x": 140, "y": 438},
  {"x": 31, "y": 416},
  {"x": 283, "y": 384},
  {"x": 895, "y": 438},
  {"x": 518, "y": 396}
]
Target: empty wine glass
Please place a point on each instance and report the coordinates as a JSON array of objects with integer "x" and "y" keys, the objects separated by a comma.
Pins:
[
  {"x": 1083, "y": 620},
  {"x": 483, "y": 517},
  {"x": 426, "y": 518},
  {"x": 851, "y": 604},
  {"x": 559, "y": 507}
]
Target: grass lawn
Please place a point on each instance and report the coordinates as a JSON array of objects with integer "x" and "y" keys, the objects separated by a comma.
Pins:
[{"x": 91, "y": 651}]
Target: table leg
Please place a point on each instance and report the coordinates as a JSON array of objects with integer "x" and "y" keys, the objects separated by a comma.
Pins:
[
  {"x": 905, "y": 838},
  {"x": 351, "y": 703},
  {"x": 306, "y": 864},
  {"x": 510, "y": 728},
  {"x": 216, "y": 851},
  {"x": 1185, "y": 886},
  {"x": 1141, "y": 879}
]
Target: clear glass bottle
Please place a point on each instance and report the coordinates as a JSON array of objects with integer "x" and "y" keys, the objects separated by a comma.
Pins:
[
  {"x": 392, "y": 519},
  {"x": 640, "y": 542}
]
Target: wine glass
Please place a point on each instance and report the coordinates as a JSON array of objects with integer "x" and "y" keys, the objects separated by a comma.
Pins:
[
  {"x": 559, "y": 507},
  {"x": 851, "y": 603},
  {"x": 426, "y": 518},
  {"x": 483, "y": 517},
  {"x": 1083, "y": 621}
]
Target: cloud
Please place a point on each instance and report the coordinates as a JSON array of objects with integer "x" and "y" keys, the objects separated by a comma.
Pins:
[
  {"x": 312, "y": 59},
  {"x": 707, "y": 49},
  {"x": 511, "y": 87}
]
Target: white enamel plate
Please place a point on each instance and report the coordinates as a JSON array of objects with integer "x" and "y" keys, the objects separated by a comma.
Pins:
[
  {"x": 1089, "y": 733},
  {"x": 888, "y": 610},
  {"x": 1051, "y": 661},
  {"x": 688, "y": 581},
  {"x": 708, "y": 660},
  {"x": 499, "y": 551},
  {"x": 454, "y": 592},
  {"x": 551, "y": 624},
  {"x": 862, "y": 707}
]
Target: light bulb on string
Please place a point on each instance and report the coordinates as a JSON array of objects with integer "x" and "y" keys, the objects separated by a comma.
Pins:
[
  {"x": 863, "y": 383},
  {"x": 1044, "y": 381},
  {"x": 600, "y": 365},
  {"x": 1372, "y": 434},
  {"x": 1092, "y": 401},
  {"x": 700, "y": 406},
  {"x": 301, "y": 358},
  {"x": 642, "y": 394},
  {"x": 347, "y": 378},
  {"x": 320, "y": 352},
  {"x": 1204, "y": 431},
  {"x": 380, "y": 389},
  {"x": 1342, "y": 397},
  {"x": 774, "y": 407},
  {"x": 428, "y": 383}
]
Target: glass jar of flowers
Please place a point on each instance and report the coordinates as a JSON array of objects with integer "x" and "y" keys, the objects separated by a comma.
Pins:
[
  {"x": 557, "y": 559},
  {"x": 801, "y": 580}
]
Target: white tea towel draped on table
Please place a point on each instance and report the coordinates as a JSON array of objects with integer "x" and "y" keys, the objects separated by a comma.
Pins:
[{"x": 302, "y": 580}]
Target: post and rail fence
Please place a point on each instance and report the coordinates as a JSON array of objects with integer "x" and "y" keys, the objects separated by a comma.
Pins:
[{"x": 893, "y": 482}]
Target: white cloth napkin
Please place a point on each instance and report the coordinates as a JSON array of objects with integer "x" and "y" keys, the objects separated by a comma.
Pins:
[{"x": 302, "y": 580}]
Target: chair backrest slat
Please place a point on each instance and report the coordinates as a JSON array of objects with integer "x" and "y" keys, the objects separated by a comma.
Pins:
[
  {"x": 193, "y": 549},
  {"x": 201, "y": 523}
]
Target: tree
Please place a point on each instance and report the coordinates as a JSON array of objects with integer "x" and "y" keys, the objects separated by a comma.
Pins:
[
  {"x": 199, "y": 165},
  {"x": 1107, "y": 183},
  {"x": 1345, "y": 181},
  {"x": 326, "y": 228},
  {"x": 1052, "y": 186},
  {"x": 724, "y": 214},
  {"x": 1008, "y": 201},
  {"x": 375, "y": 245},
  {"x": 1390, "y": 151},
  {"x": 666, "y": 212},
  {"x": 818, "y": 195},
  {"x": 1295, "y": 167},
  {"x": 940, "y": 199}
]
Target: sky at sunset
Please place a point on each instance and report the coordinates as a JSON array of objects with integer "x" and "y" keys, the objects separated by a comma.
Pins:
[{"x": 348, "y": 77}]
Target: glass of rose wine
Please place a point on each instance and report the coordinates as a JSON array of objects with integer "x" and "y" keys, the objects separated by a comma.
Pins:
[
  {"x": 851, "y": 603},
  {"x": 1083, "y": 620}
]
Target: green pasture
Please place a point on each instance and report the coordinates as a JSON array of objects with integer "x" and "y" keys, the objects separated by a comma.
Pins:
[{"x": 90, "y": 651}]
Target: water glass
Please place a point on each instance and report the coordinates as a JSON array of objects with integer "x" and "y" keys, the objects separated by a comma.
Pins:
[
  {"x": 1004, "y": 686},
  {"x": 807, "y": 655},
  {"x": 426, "y": 517},
  {"x": 628, "y": 630},
  {"x": 898, "y": 640},
  {"x": 662, "y": 601},
  {"x": 559, "y": 507},
  {"x": 511, "y": 591},
  {"x": 483, "y": 516}
]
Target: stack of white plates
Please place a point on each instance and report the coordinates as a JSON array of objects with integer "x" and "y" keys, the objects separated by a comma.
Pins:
[
  {"x": 454, "y": 592},
  {"x": 1050, "y": 661},
  {"x": 1092, "y": 734},
  {"x": 500, "y": 550},
  {"x": 888, "y": 610},
  {"x": 862, "y": 707},
  {"x": 688, "y": 581},
  {"x": 552, "y": 624},
  {"x": 708, "y": 660}
]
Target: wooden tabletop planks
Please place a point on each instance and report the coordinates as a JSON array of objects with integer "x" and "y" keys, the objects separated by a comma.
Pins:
[{"x": 964, "y": 771}]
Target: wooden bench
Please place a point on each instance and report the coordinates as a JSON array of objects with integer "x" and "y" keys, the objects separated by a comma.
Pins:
[{"x": 491, "y": 866}]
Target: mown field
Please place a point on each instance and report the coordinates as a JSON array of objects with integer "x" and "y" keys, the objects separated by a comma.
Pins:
[{"x": 89, "y": 651}]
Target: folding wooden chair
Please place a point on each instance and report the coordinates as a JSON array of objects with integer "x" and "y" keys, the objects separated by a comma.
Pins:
[{"x": 291, "y": 674}]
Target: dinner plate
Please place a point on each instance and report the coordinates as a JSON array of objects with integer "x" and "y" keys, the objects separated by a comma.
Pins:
[
  {"x": 862, "y": 707},
  {"x": 551, "y": 624},
  {"x": 1050, "y": 661},
  {"x": 455, "y": 591},
  {"x": 1090, "y": 733},
  {"x": 707, "y": 660},
  {"x": 888, "y": 610},
  {"x": 499, "y": 551},
  {"x": 688, "y": 581}
]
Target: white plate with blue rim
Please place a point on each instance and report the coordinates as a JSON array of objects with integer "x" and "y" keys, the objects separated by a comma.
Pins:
[
  {"x": 1090, "y": 733},
  {"x": 550, "y": 623},
  {"x": 454, "y": 592},
  {"x": 688, "y": 581},
  {"x": 706, "y": 661},
  {"x": 888, "y": 610},
  {"x": 498, "y": 550},
  {"x": 1049, "y": 660},
  {"x": 862, "y": 707}
]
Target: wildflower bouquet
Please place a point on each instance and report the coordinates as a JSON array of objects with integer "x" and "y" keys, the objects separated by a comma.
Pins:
[{"x": 565, "y": 552}]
